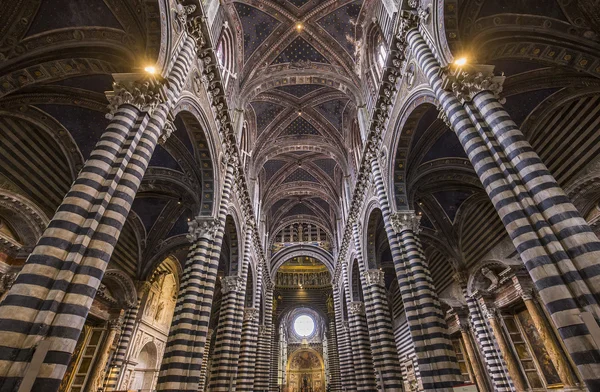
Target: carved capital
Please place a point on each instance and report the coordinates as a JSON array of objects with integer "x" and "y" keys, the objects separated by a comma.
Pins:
[
  {"x": 461, "y": 277},
  {"x": 166, "y": 132},
  {"x": 405, "y": 220},
  {"x": 232, "y": 283},
  {"x": 142, "y": 287},
  {"x": 470, "y": 80},
  {"x": 488, "y": 308},
  {"x": 375, "y": 277},
  {"x": 523, "y": 287},
  {"x": 250, "y": 314},
  {"x": 143, "y": 92},
  {"x": 209, "y": 333},
  {"x": 263, "y": 330},
  {"x": 356, "y": 308},
  {"x": 203, "y": 228},
  {"x": 345, "y": 326}
]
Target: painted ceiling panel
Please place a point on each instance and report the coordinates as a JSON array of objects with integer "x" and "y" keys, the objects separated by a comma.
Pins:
[
  {"x": 549, "y": 8},
  {"x": 327, "y": 165},
  {"x": 257, "y": 26},
  {"x": 299, "y": 127},
  {"x": 182, "y": 134},
  {"x": 58, "y": 14},
  {"x": 447, "y": 146},
  {"x": 300, "y": 50},
  {"x": 424, "y": 122},
  {"x": 451, "y": 201},
  {"x": 97, "y": 83},
  {"x": 272, "y": 166},
  {"x": 520, "y": 105},
  {"x": 265, "y": 113},
  {"x": 278, "y": 205},
  {"x": 300, "y": 90},
  {"x": 300, "y": 175},
  {"x": 181, "y": 226},
  {"x": 340, "y": 25},
  {"x": 324, "y": 205},
  {"x": 300, "y": 209},
  {"x": 85, "y": 125},
  {"x": 162, "y": 158},
  {"x": 299, "y": 3},
  {"x": 148, "y": 209},
  {"x": 333, "y": 111}
]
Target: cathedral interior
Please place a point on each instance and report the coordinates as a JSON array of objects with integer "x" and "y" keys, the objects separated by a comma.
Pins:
[{"x": 299, "y": 195}]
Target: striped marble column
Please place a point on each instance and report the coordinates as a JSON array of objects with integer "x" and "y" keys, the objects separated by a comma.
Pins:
[
  {"x": 361, "y": 347},
  {"x": 182, "y": 361},
  {"x": 245, "y": 379},
  {"x": 53, "y": 293},
  {"x": 265, "y": 341},
  {"x": 496, "y": 369},
  {"x": 430, "y": 340},
  {"x": 204, "y": 367},
  {"x": 381, "y": 334},
  {"x": 343, "y": 344},
  {"x": 435, "y": 354},
  {"x": 333, "y": 353},
  {"x": 555, "y": 243},
  {"x": 227, "y": 345},
  {"x": 274, "y": 363},
  {"x": 116, "y": 365}
]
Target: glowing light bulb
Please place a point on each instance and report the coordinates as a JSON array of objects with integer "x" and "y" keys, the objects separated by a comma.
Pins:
[
  {"x": 460, "y": 61},
  {"x": 150, "y": 69},
  {"x": 299, "y": 26}
]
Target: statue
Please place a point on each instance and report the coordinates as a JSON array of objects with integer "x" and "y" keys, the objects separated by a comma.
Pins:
[
  {"x": 330, "y": 304},
  {"x": 492, "y": 277}
]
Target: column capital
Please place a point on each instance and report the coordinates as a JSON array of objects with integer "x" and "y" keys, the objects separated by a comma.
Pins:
[
  {"x": 202, "y": 228},
  {"x": 356, "y": 307},
  {"x": 167, "y": 131},
  {"x": 461, "y": 277},
  {"x": 488, "y": 308},
  {"x": 209, "y": 333},
  {"x": 345, "y": 325},
  {"x": 263, "y": 330},
  {"x": 471, "y": 79},
  {"x": 524, "y": 287},
  {"x": 405, "y": 220},
  {"x": 143, "y": 287},
  {"x": 232, "y": 283},
  {"x": 375, "y": 277},
  {"x": 145, "y": 92},
  {"x": 250, "y": 314}
]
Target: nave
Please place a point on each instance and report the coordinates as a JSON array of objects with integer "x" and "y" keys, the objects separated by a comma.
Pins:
[{"x": 299, "y": 195}]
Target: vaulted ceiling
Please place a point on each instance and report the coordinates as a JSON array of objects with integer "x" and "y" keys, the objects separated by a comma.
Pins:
[{"x": 299, "y": 121}]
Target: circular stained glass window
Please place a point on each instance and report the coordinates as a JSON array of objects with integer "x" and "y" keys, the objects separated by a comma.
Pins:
[{"x": 304, "y": 325}]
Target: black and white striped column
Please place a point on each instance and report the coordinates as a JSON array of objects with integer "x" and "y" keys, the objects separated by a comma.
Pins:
[
  {"x": 204, "y": 371},
  {"x": 334, "y": 360},
  {"x": 343, "y": 344},
  {"x": 429, "y": 334},
  {"x": 245, "y": 379},
  {"x": 227, "y": 345},
  {"x": 118, "y": 360},
  {"x": 265, "y": 342},
  {"x": 361, "y": 347},
  {"x": 182, "y": 361},
  {"x": 496, "y": 369},
  {"x": 55, "y": 289},
  {"x": 381, "y": 334},
  {"x": 435, "y": 354},
  {"x": 556, "y": 245}
]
